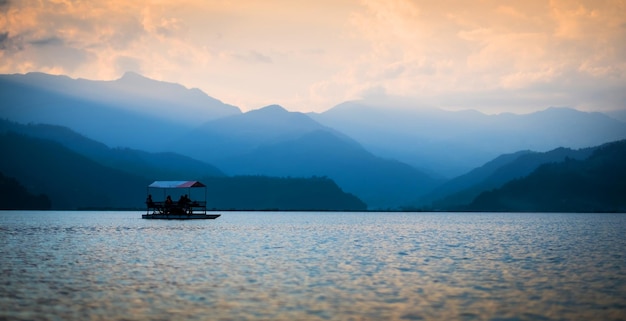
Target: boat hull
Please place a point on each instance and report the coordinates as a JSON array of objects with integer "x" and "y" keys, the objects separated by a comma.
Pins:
[{"x": 180, "y": 216}]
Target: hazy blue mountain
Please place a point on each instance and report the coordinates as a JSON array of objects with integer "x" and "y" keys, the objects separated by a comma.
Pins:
[
  {"x": 274, "y": 193},
  {"x": 394, "y": 146},
  {"x": 141, "y": 113},
  {"x": 454, "y": 142},
  {"x": 470, "y": 179},
  {"x": 272, "y": 141},
  {"x": 595, "y": 184},
  {"x": 132, "y": 111},
  {"x": 463, "y": 189},
  {"x": 618, "y": 114},
  {"x": 220, "y": 140},
  {"x": 70, "y": 180},
  {"x": 157, "y": 166},
  {"x": 381, "y": 183}
]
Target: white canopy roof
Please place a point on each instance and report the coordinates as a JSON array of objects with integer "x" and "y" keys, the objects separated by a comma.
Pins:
[{"x": 176, "y": 184}]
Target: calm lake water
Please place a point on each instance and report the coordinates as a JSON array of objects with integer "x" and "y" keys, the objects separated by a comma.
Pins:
[{"x": 313, "y": 266}]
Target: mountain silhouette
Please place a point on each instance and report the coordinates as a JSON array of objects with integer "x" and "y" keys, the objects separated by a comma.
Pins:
[
  {"x": 468, "y": 180},
  {"x": 386, "y": 154},
  {"x": 217, "y": 141},
  {"x": 41, "y": 173},
  {"x": 274, "y": 193},
  {"x": 69, "y": 179},
  {"x": 381, "y": 183},
  {"x": 159, "y": 166},
  {"x": 275, "y": 142},
  {"x": 595, "y": 184},
  {"x": 132, "y": 111},
  {"x": 463, "y": 189},
  {"x": 454, "y": 142},
  {"x": 14, "y": 196}
]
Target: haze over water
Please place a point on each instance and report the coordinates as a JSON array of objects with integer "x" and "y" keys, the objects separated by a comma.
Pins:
[{"x": 313, "y": 266}]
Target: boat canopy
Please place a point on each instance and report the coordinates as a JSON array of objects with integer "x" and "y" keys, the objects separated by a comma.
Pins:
[{"x": 176, "y": 184}]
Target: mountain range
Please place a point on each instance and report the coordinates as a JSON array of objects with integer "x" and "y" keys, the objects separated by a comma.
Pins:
[
  {"x": 132, "y": 111},
  {"x": 593, "y": 184},
  {"x": 40, "y": 173},
  {"x": 388, "y": 155},
  {"x": 160, "y": 166},
  {"x": 463, "y": 189},
  {"x": 68, "y": 179},
  {"x": 273, "y": 141},
  {"x": 451, "y": 143}
]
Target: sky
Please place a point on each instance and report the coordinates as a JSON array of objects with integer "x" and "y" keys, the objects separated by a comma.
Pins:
[{"x": 490, "y": 55}]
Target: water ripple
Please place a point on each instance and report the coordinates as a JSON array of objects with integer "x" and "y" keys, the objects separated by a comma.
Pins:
[{"x": 312, "y": 266}]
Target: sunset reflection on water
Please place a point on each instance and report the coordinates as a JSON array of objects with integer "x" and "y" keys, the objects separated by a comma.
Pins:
[{"x": 314, "y": 266}]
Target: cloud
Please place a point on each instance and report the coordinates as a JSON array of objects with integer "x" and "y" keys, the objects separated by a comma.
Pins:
[
  {"x": 441, "y": 49},
  {"x": 318, "y": 54},
  {"x": 374, "y": 93},
  {"x": 125, "y": 63},
  {"x": 95, "y": 34}
]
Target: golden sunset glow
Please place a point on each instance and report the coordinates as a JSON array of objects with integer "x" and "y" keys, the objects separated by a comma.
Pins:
[{"x": 490, "y": 55}]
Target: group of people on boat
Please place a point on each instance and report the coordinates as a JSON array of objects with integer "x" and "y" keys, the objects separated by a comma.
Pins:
[
  {"x": 183, "y": 201},
  {"x": 183, "y": 204}
]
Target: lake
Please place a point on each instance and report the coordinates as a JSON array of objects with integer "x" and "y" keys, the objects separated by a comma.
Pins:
[{"x": 313, "y": 266}]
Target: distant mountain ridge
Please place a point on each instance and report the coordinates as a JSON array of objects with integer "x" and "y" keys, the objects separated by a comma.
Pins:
[
  {"x": 158, "y": 166},
  {"x": 66, "y": 179},
  {"x": 494, "y": 174},
  {"x": 69, "y": 179},
  {"x": 469, "y": 179},
  {"x": 275, "y": 142},
  {"x": 271, "y": 193},
  {"x": 381, "y": 183},
  {"x": 590, "y": 179},
  {"x": 217, "y": 141},
  {"x": 452, "y": 143},
  {"x": 386, "y": 155},
  {"x": 134, "y": 92},
  {"x": 594, "y": 184},
  {"x": 132, "y": 111}
]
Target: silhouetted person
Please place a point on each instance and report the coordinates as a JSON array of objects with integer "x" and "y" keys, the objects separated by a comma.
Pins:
[
  {"x": 183, "y": 203},
  {"x": 149, "y": 201},
  {"x": 168, "y": 201}
]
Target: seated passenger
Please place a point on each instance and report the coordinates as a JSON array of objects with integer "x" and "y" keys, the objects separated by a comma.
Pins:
[
  {"x": 183, "y": 203},
  {"x": 149, "y": 201}
]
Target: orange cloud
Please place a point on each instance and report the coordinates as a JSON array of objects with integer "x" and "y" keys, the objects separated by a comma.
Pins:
[
  {"x": 312, "y": 55},
  {"x": 450, "y": 46}
]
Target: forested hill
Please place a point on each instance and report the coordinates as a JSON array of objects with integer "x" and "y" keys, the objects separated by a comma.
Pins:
[
  {"x": 69, "y": 179},
  {"x": 164, "y": 166},
  {"x": 48, "y": 175},
  {"x": 596, "y": 184},
  {"x": 273, "y": 193},
  {"x": 14, "y": 196}
]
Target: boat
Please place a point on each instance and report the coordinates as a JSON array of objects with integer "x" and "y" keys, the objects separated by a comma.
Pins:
[{"x": 187, "y": 207}]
